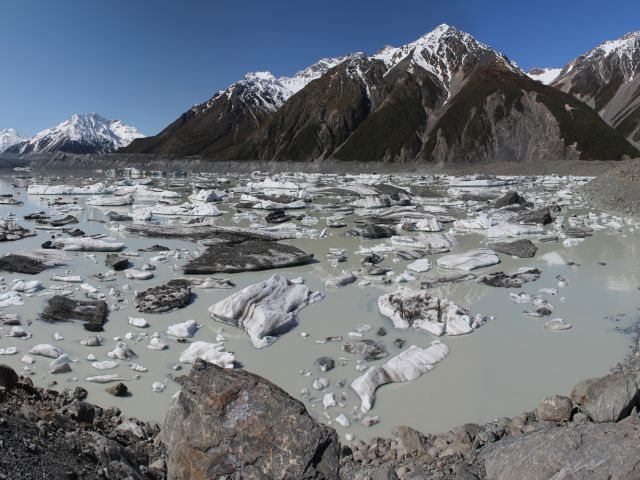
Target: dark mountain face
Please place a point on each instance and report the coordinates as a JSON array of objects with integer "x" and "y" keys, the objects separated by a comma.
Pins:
[
  {"x": 608, "y": 79},
  {"x": 443, "y": 98}
]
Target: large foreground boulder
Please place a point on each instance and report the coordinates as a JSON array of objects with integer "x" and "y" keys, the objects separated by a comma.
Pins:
[
  {"x": 607, "y": 399},
  {"x": 591, "y": 451},
  {"x": 235, "y": 424}
]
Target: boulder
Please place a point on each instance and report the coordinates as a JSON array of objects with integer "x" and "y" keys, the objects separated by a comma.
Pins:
[
  {"x": 116, "y": 262},
  {"x": 251, "y": 255},
  {"x": 519, "y": 248},
  {"x": 60, "y": 308},
  {"x": 409, "y": 441},
  {"x": 369, "y": 349},
  {"x": 510, "y": 280},
  {"x": 607, "y": 399},
  {"x": 555, "y": 408},
  {"x": 509, "y": 198},
  {"x": 377, "y": 231},
  {"x": 164, "y": 298},
  {"x": 117, "y": 390},
  {"x": 234, "y": 424},
  {"x": 592, "y": 451},
  {"x": 8, "y": 377}
]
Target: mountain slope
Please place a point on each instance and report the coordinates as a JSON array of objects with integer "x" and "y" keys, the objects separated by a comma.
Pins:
[
  {"x": 9, "y": 137},
  {"x": 231, "y": 114},
  {"x": 86, "y": 133},
  {"x": 444, "y": 98},
  {"x": 608, "y": 79}
]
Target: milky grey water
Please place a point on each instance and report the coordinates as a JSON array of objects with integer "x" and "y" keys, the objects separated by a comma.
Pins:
[{"x": 502, "y": 369}]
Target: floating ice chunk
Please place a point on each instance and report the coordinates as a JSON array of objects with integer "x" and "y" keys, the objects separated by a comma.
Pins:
[
  {"x": 505, "y": 230},
  {"x": 342, "y": 420},
  {"x": 419, "y": 309},
  {"x": 111, "y": 377},
  {"x": 95, "y": 189},
  {"x": 138, "y": 322},
  {"x": 265, "y": 310},
  {"x": 121, "y": 352},
  {"x": 557, "y": 324},
  {"x": 470, "y": 260},
  {"x": 158, "y": 387},
  {"x": 86, "y": 244},
  {"x": 185, "y": 329},
  {"x": 105, "y": 365},
  {"x": 341, "y": 280},
  {"x": 404, "y": 367},
  {"x": 420, "y": 266},
  {"x": 45, "y": 350},
  {"x": 32, "y": 286},
  {"x": 329, "y": 400},
  {"x": 211, "y": 352},
  {"x": 8, "y": 351},
  {"x": 10, "y": 298},
  {"x": 133, "y": 274}
]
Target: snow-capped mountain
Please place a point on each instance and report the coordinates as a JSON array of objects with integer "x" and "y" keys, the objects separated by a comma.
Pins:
[
  {"x": 608, "y": 79},
  {"x": 443, "y": 52},
  {"x": 544, "y": 75},
  {"x": 232, "y": 113},
  {"x": 9, "y": 137},
  {"x": 86, "y": 133},
  {"x": 443, "y": 97},
  {"x": 264, "y": 91}
]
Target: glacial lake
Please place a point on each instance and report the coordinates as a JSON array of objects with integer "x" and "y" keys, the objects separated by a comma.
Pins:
[{"x": 501, "y": 369}]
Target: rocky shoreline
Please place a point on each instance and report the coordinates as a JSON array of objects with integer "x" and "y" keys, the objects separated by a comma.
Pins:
[
  {"x": 594, "y": 433},
  {"x": 66, "y": 161}
]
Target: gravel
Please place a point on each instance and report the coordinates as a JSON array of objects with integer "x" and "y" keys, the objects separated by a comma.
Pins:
[{"x": 617, "y": 190}]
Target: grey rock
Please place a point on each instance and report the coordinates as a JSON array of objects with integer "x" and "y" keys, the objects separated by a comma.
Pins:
[
  {"x": 251, "y": 255},
  {"x": 369, "y": 349},
  {"x": 376, "y": 474},
  {"x": 409, "y": 441},
  {"x": 519, "y": 248},
  {"x": 593, "y": 451},
  {"x": 509, "y": 198},
  {"x": 555, "y": 408},
  {"x": 164, "y": 298},
  {"x": 324, "y": 364},
  {"x": 377, "y": 231},
  {"x": 607, "y": 399},
  {"x": 63, "y": 309},
  {"x": 8, "y": 377},
  {"x": 236, "y": 424},
  {"x": 541, "y": 216},
  {"x": 116, "y": 262},
  {"x": 510, "y": 280}
]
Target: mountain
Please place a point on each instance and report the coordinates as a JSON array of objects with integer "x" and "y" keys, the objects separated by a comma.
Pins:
[
  {"x": 86, "y": 133},
  {"x": 9, "y": 137},
  {"x": 443, "y": 98},
  {"x": 544, "y": 75},
  {"x": 608, "y": 79},
  {"x": 231, "y": 114}
]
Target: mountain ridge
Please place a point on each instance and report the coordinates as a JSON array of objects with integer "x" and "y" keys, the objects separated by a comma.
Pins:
[{"x": 411, "y": 102}]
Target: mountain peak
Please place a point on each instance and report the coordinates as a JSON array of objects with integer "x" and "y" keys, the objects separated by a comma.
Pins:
[
  {"x": 443, "y": 51},
  {"x": 9, "y": 137},
  {"x": 81, "y": 133}
]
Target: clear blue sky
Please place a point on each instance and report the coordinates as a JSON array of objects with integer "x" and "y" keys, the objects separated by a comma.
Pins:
[{"x": 147, "y": 61}]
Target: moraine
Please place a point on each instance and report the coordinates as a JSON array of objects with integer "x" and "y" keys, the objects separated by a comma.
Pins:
[{"x": 501, "y": 367}]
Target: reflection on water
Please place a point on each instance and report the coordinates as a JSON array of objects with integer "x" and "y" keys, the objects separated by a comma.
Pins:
[{"x": 503, "y": 368}]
